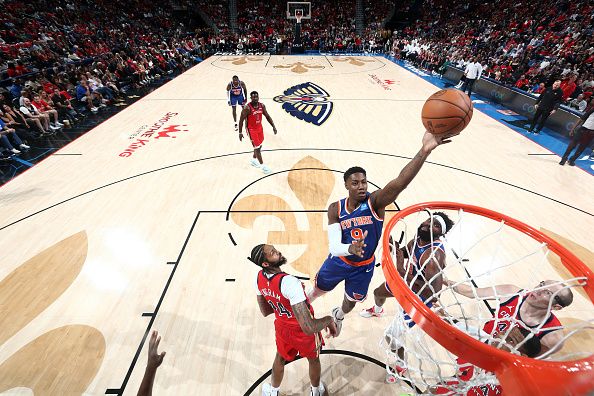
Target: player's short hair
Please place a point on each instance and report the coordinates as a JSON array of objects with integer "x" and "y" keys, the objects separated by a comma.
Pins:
[
  {"x": 253, "y": 92},
  {"x": 257, "y": 255},
  {"x": 352, "y": 171},
  {"x": 564, "y": 297},
  {"x": 448, "y": 222},
  {"x": 235, "y": 77}
]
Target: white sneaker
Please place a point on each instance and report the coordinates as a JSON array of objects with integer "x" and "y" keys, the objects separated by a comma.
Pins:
[
  {"x": 254, "y": 162},
  {"x": 94, "y": 109},
  {"x": 24, "y": 147},
  {"x": 15, "y": 151},
  {"x": 337, "y": 321},
  {"x": 265, "y": 169},
  {"x": 321, "y": 390},
  {"x": 267, "y": 390},
  {"x": 54, "y": 128},
  {"x": 58, "y": 124},
  {"x": 370, "y": 312}
]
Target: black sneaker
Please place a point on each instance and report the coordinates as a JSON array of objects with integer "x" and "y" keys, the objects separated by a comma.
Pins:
[
  {"x": 571, "y": 163},
  {"x": 562, "y": 162}
]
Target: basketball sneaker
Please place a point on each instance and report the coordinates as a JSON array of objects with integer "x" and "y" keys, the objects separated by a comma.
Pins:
[
  {"x": 337, "y": 321},
  {"x": 393, "y": 376},
  {"x": 236, "y": 127},
  {"x": 319, "y": 391},
  {"x": 265, "y": 169},
  {"x": 254, "y": 162},
  {"x": 371, "y": 312},
  {"x": 268, "y": 391}
]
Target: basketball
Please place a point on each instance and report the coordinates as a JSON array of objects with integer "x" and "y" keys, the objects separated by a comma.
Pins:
[{"x": 447, "y": 111}]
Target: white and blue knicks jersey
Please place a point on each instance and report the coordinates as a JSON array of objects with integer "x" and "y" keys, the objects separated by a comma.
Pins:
[
  {"x": 354, "y": 225},
  {"x": 236, "y": 90}
]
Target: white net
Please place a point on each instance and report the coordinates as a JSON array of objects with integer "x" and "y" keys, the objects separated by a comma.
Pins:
[{"x": 494, "y": 283}]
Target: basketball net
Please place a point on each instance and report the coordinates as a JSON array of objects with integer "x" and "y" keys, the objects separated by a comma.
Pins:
[{"x": 481, "y": 251}]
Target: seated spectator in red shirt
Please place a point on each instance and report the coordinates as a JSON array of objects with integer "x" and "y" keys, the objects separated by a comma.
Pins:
[
  {"x": 45, "y": 108},
  {"x": 522, "y": 83},
  {"x": 568, "y": 86}
]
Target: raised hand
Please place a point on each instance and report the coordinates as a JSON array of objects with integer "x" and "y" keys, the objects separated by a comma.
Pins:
[
  {"x": 431, "y": 141},
  {"x": 357, "y": 246},
  {"x": 154, "y": 358}
]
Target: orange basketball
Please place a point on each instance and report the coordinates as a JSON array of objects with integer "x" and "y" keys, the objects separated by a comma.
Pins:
[{"x": 447, "y": 111}]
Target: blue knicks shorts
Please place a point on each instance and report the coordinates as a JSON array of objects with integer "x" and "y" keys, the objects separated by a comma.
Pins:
[
  {"x": 356, "y": 279},
  {"x": 410, "y": 323},
  {"x": 237, "y": 100}
]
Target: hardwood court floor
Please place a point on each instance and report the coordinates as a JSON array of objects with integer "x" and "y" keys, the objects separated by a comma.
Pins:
[{"x": 134, "y": 233}]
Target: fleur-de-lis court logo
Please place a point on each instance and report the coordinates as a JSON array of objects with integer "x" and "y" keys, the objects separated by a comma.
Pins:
[
  {"x": 312, "y": 183},
  {"x": 357, "y": 61},
  {"x": 308, "y": 102},
  {"x": 63, "y": 360},
  {"x": 299, "y": 67},
  {"x": 242, "y": 60}
]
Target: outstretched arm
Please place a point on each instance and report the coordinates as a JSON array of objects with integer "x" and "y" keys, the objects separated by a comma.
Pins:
[
  {"x": 244, "y": 113},
  {"x": 487, "y": 293},
  {"x": 382, "y": 198},
  {"x": 310, "y": 325},
  {"x": 265, "y": 112}
]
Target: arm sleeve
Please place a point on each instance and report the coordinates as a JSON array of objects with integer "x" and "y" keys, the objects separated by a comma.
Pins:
[
  {"x": 292, "y": 289},
  {"x": 229, "y": 95},
  {"x": 335, "y": 245},
  {"x": 256, "y": 285}
]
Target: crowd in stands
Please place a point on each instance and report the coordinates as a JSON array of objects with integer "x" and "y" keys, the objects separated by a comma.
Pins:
[
  {"x": 525, "y": 44},
  {"x": 61, "y": 61},
  {"x": 264, "y": 27}
]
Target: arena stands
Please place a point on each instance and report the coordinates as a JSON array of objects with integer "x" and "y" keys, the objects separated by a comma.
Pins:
[{"x": 522, "y": 44}]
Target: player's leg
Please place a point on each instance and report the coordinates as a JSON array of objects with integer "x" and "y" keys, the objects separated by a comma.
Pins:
[
  {"x": 234, "y": 112},
  {"x": 278, "y": 370},
  {"x": 331, "y": 273},
  {"x": 309, "y": 347},
  {"x": 315, "y": 371},
  {"x": 584, "y": 141},
  {"x": 356, "y": 285},
  {"x": 380, "y": 294}
]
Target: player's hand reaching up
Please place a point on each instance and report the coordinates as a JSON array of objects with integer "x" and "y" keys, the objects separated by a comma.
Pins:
[
  {"x": 154, "y": 358},
  {"x": 357, "y": 246},
  {"x": 274, "y": 130},
  {"x": 431, "y": 141}
]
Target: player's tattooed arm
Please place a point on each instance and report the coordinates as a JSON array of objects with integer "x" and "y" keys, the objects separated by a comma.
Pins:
[
  {"x": 308, "y": 324},
  {"x": 265, "y": 308}
]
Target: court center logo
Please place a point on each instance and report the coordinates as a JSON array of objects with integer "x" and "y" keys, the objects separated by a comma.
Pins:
[{"x": 308, "y": 102}]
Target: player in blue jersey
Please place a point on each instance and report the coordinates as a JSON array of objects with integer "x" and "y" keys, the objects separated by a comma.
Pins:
[
  {"x": 425, "y": 263},
  {"x": 422, "y": 273},
  {"x": 354, "y": 230},
  {"x": 236, "y": 95}
]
